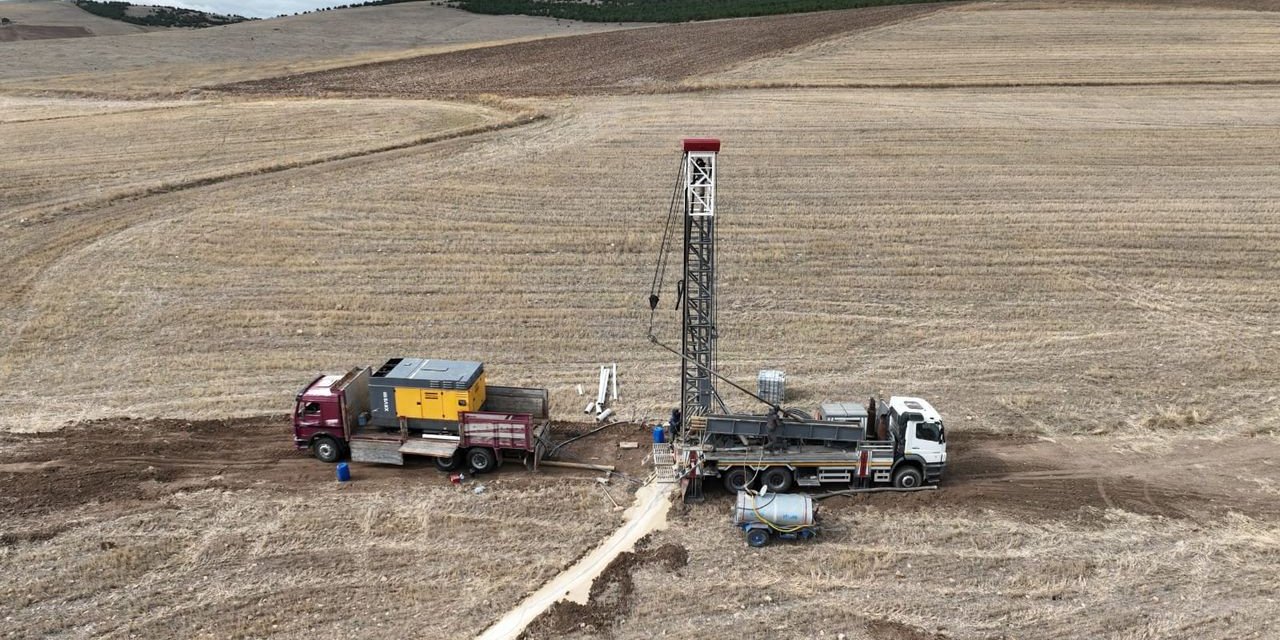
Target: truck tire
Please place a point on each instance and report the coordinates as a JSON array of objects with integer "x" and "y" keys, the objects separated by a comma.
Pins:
[
  {"x": 450, "y": 463},
  {"x": 907, "y": 477},
  {"x": 326, "y": 449},
  {"x": 481, "y": 460},
  {"x": 777, "y": 479},
  {"x": 757, "y": 538},
  {"x": 737, "y": 479}
]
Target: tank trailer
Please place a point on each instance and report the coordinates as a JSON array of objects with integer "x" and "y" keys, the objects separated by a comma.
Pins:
[{"x": 788, "y": 516}]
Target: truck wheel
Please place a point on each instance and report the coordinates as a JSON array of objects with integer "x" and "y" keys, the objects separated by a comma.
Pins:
[
  {"x": 776, "y": 479},
  {"x": 481, "y": 460},
  {"x": 907, "y": 478},
  {"x": 326, "y": 449},
  {"x": 758, "y": 537},
  {"x": 450, "y": 463},
  {"x": 736, "y": 479}
]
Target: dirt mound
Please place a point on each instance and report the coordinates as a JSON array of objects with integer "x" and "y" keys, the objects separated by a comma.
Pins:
[
  {"x": 596, "y": 63},
  {"x": 15, "y": 32},
  {"x": 610, "y": 595}
]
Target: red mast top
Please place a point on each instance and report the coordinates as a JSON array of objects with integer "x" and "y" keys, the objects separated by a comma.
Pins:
[{"x": 701, "y": 144}]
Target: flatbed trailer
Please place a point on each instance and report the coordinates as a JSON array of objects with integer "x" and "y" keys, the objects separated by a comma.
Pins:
[
  {"x": 333, "y": 419},
  {"x": 777, "y": 453}
]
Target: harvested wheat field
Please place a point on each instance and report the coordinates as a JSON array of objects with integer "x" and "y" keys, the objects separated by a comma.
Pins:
[
  {"x": 47, "y": 19},
  {"x": 1057, "y": 222},
  {"x": 175, "y": 61},
  {"x": 1038, "y": 43}
]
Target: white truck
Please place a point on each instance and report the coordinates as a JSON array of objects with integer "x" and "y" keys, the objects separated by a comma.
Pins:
[{"x": 901, "y": 443}]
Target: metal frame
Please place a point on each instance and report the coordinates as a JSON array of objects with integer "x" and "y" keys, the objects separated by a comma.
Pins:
[{"x": 697, "y": 384}]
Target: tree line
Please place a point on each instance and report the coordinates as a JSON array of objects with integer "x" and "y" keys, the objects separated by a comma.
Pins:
[{"x": 157, "y": 16}]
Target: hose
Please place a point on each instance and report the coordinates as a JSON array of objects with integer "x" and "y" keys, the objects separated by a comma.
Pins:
[
  {"x": 846, "y": 492},
  {"x": 552, "y": 452},
  {"x": 772, "y": 525}
]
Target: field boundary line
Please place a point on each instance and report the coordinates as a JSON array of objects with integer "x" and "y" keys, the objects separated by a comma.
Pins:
[{"x": 774, "y": 86}]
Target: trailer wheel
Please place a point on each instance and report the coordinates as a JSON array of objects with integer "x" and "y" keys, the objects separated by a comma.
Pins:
[
  {"x": 907, "y": 477},
  {"x": 449, "y": 463},
  {"x": 737, "y": 479},
  {"x": 757, "y": 537},
  {"x": 481, "y": 460},
  {"x": 326, "y": 449},
  {"x": 776, "y": 479}
]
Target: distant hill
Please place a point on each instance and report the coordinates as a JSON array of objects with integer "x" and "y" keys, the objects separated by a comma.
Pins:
[{"x": 157, "y": 16}]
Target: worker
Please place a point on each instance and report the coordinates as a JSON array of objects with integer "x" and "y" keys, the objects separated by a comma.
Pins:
[
  {"x": 771, "y": 430},
  {"x": 673, "y": 425}
]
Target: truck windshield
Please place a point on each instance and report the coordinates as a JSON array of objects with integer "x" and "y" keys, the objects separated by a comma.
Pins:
[{"x": 931, "y": 431}]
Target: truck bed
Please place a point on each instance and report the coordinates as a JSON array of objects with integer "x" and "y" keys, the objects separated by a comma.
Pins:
[
  {"x": 788, "y": 429},
  {"x": 802, "y": 456}
]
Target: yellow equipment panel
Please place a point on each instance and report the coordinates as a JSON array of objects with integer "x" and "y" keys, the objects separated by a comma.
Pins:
[
  {"x": 439, "y": 404},
  {"x": 408, "y": 402},
  {"x": 433, "y": 407}
]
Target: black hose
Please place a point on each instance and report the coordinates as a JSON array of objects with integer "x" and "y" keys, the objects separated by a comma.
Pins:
[
  {"x": 846, "y": 492},
  {"x": 552, "y": 452}
]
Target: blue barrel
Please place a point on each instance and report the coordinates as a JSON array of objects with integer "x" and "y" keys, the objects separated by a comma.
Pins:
[
  {"x": 659, "y": 434},
  {"x": 344, "y": 472}
]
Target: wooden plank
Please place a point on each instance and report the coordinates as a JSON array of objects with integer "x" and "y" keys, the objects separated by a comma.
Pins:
[
  {"x": 577, "y": 465},
  {"x": 376, "y": 451},
  {"x": 436, "y": 448},
  {"x": 524, "y": 400}
]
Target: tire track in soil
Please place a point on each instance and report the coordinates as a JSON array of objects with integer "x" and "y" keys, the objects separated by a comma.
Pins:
[{"x": 1045, "y": 480}]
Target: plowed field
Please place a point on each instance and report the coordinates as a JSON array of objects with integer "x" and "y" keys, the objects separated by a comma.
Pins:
[{"x": 634, "y": 60}]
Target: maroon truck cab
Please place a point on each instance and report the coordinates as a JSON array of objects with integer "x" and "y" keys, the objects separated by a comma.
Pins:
[{"x": 317, "y": 415}]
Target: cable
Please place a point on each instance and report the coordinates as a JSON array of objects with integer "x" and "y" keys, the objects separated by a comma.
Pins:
[
  {"x": 664, "y": 250},
  {"x": 789, "y": 414}
]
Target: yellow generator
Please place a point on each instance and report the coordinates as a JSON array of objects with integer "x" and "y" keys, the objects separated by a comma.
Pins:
[{"x": 425, "y": 394}]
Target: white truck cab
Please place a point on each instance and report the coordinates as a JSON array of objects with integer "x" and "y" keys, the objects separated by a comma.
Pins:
[{"x": 918, "y": 433}]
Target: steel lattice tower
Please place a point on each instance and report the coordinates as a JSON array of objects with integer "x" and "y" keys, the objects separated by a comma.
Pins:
[{"x": 698, "y": 393}]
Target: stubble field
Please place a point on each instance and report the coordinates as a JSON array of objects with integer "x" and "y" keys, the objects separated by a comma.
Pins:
[{"x": 1082, "y": 278}]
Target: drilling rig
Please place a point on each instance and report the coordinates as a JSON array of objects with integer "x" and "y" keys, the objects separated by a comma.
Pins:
[{"x": 900, "y": 441}]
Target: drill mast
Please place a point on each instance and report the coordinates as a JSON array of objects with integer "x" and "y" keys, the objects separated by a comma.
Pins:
[{"x": 698, "y": 328}]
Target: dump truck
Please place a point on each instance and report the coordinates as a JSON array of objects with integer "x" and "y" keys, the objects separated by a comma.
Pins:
[
  {"x": 904, "y": 445},
  {"x": 439, "y": 409}
]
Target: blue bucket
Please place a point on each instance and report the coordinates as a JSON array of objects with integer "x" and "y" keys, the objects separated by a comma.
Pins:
[
  {"x": 659, "y": 434},
  {"x": 344, "y": 472}
]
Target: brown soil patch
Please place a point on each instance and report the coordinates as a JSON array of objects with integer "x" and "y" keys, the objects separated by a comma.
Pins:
[
  {"x": 123, "y": 460},
  {"x": 15, "y": 32},
  {"x": 610, "y": 595},
  {"x": 1079, "y": 478},
  {"x": 640, "y": 59}
]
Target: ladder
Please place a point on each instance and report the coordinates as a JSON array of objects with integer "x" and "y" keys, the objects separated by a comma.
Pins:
[{"x": 664, "y": 462}]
